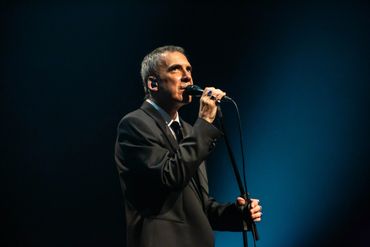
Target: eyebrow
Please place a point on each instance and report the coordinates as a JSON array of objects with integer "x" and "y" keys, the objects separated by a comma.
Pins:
[{"x": 176, "y": 66}]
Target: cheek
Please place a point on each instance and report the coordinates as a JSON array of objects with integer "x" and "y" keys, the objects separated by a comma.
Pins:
[{"x": 175, "y": 88}]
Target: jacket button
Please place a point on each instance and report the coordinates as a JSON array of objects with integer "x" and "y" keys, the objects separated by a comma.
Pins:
[{"x": 212, "y": 145}]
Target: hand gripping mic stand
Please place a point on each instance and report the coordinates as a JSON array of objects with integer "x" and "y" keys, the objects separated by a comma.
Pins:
[{"x": 244, "y": 209}]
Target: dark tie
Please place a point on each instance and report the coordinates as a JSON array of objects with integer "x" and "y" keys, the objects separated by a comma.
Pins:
[{"x": 175, "y": 126}]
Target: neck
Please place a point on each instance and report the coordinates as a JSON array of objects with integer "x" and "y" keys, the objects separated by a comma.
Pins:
[{"x": 170, "y": 108}]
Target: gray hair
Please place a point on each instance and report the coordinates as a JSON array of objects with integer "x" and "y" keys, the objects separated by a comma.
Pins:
[{"x": 151, "y": 62}]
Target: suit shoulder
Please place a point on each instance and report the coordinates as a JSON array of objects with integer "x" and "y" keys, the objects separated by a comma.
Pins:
[{"x": 135, "y": 118}]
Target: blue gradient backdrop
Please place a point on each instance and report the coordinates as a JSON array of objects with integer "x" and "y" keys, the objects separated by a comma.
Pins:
[
  {"x": 306, "y": 119},
  {"x": 299, "y": 71}
]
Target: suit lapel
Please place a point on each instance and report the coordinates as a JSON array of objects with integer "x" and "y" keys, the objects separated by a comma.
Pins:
[
  {"x": 156, "y": 116},
  {"x": 200, "y": 180}
]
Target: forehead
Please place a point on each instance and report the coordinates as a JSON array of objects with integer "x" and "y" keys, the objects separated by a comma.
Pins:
[{"x": 171, "y": 58}]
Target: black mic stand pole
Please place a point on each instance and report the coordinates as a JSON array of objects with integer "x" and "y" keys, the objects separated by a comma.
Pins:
[{"x": 243, "y": 193}]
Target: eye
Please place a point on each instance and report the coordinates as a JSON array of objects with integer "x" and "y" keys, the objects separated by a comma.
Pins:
[{"x": 174, "y": 68}]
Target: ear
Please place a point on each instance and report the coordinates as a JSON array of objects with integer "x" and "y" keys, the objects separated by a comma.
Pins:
[{"x": 152, "y": 84}]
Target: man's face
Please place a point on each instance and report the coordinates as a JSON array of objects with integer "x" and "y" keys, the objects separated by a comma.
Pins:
[{"x": 174, "y": 77}]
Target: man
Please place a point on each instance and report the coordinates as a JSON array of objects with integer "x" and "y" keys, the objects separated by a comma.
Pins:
[{"x": 160, "y": 160}]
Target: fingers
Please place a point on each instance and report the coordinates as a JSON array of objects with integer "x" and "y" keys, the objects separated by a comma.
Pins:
[
  {"x": 256, "y": 217},
  {"x": 208, "y": 106},
  {"x": 213, "y": 93},
  {"x": 254, "y": 203},
  {"x": 255, "y": 210},
  {"x": 255, "y": 207}
]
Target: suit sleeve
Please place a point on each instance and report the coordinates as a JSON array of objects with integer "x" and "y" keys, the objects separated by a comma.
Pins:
[
  {"x": 225, "y": 217},
  {"x": 141, "y": 151}
]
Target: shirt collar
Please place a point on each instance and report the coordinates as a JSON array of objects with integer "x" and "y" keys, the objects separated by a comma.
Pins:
[{"x": 166, "y": 117}]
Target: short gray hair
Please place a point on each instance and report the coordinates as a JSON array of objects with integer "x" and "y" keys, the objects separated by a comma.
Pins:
[{"x": 151, "y": 62}]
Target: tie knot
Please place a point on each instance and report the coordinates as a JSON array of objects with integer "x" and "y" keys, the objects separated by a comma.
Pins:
[{"x": 175, "y": 126}]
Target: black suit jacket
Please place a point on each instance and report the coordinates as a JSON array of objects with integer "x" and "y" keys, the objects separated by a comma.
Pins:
[{"x": 165, "y": 185}]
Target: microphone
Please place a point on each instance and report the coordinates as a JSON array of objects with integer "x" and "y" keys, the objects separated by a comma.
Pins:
[{"x": 197, "y": 91}]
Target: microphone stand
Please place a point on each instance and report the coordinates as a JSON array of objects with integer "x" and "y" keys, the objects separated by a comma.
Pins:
[{"x": 243, "y": 193}]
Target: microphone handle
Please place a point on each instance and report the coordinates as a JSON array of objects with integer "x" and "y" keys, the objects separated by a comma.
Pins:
[
  {"x": 199, "y": 94},
  {"x": 197, "y": 91}
]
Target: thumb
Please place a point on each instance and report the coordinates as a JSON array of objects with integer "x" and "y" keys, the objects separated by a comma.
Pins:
[{"x": 240, "y": 201}]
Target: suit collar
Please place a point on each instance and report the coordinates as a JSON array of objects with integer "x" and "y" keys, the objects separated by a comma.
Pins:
[
  {"x": 163, "y": 113},
  {"x": 156, "y": 116}
]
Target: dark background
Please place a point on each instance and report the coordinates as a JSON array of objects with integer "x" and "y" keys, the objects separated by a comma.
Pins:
[{"x": 299, "y": 72}]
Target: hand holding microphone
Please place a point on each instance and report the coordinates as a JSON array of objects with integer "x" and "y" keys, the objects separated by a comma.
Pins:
[{"x": 210, "y": 96}]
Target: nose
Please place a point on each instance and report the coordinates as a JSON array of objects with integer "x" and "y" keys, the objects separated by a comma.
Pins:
[
  {"x": 187, "y": 80},
  {"x": 186, "y": 77}
]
